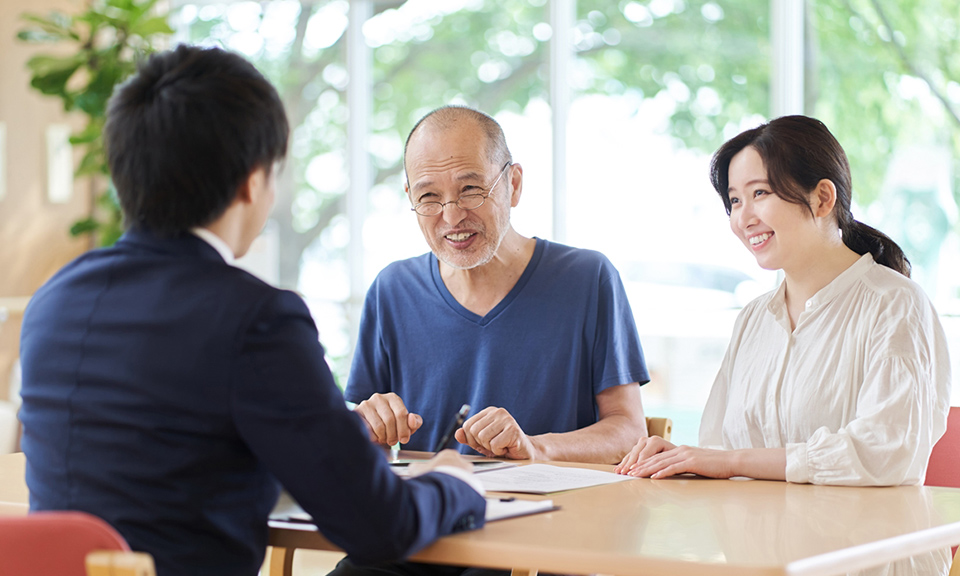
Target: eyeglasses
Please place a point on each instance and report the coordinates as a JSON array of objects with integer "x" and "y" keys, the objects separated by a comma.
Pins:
[{"x": 465, "y": 202}]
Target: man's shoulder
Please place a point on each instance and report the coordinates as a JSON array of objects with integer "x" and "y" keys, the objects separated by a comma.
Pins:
[
  {"x": 575, "y": 260},
  {"x": 401, "y": 272},
  {"x": 126, "y": 268}
]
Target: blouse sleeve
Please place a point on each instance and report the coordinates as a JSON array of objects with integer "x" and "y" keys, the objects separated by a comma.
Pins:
[
  {"x": 711, "y": 424},
  {"x": 901, "y": 407}
]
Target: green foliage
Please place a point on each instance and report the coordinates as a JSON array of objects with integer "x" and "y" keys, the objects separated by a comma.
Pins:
[
  {"x": 879, "y": 76},
  {"x": 485, "y": 55},
  {"x": 107, "y": 40},
  {"x": 708, "y": 60},
  {"x": 711, "y": 61},
  {"x": 879, "y": 73}
]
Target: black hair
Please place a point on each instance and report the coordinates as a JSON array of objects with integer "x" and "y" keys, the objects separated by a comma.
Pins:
[
  {"x": 798, "y": 152},
  {"x": 185, "y": 132}
]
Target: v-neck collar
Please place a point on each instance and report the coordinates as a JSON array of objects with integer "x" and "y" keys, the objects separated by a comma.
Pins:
[{"x": 503, "y": 304}]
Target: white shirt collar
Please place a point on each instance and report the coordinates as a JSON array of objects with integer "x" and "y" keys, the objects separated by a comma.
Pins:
[
  {"x": 216, "y": 242},
  {"x": 839, "y": 285}
]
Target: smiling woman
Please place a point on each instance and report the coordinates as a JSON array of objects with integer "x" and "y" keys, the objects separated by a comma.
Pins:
[
  {"x": 840, "y": 376},
  {"x": 757, "y": 162}
]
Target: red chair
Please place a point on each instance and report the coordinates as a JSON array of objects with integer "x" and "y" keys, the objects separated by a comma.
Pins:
[
  {"x": 55, "y": 543},
  {"x": 944, "y": 466}
]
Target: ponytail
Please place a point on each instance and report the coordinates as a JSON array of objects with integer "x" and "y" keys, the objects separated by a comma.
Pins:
[{"x": 862, "y": 239}]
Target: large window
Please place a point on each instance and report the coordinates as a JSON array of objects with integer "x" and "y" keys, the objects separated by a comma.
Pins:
[
  {"x": 613, "y": 109},
  {"x": 488, "y": 55},
  {"x": 885, "y": 77},
  {"x": 657, "y": 87}
]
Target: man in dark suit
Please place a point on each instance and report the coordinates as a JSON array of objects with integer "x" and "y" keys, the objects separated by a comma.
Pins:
[{"x": 171, "y": 393}]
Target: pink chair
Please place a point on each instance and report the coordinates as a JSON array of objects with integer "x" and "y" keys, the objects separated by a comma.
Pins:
[
  {"x": 944, "y": 466},
  {"x": 55, "y": 543}
]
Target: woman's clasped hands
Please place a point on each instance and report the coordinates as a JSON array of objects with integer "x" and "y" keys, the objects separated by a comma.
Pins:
[{"x": 654, "y": 457}]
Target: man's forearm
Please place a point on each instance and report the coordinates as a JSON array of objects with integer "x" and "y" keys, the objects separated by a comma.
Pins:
[{"x": 605, "y": 442}]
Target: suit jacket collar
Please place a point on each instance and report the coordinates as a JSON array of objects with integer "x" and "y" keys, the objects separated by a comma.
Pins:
[{"x": 183, "y": 244}]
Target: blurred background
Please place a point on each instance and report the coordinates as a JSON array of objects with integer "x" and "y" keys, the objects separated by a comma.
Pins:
[{"x": 613, "y": 108}]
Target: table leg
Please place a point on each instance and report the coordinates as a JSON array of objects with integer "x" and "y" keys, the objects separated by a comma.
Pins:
[
  {"x": 523, "y": 572},
  {"x": 281, "y": 562}
]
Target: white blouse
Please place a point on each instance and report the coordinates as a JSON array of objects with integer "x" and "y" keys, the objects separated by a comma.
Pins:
[{"x": 857, "y": 393}]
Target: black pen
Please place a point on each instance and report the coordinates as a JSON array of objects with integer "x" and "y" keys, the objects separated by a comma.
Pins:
[{"x": 458, "y": 421}]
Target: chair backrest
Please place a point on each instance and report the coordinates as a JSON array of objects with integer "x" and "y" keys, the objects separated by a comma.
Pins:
[
  {"x": 54, "y": 542},
  {"x": 944, "y": 466},
  {"x": 661, "y": 427}
]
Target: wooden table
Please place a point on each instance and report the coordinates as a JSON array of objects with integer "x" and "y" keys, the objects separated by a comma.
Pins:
[
  {"x": 695, "y": 526},
  {"x": 680, "y": 526}
]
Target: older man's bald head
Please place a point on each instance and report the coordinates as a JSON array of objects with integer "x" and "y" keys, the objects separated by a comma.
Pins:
[{"x": 450, "y": 117}]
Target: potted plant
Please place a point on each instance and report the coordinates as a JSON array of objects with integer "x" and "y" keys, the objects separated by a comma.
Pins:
[{"x": 108, "y": 39}]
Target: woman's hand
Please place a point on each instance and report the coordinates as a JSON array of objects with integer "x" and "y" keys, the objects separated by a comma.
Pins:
[
  {"x": 654, "y": 457},
  {"x": 686, "y": 460},
  {"x": 645, "y": 448}
]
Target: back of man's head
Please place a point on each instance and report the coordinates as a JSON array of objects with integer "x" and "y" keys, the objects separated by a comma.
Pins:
[{"x": 185, "y": 132}]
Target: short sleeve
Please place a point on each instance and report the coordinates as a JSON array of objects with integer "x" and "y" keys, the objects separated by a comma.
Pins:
[{"x": 618, "y": 354}]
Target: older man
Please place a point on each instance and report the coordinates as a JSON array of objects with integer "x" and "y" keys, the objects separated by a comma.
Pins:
[{"x": 537, "y": 337}]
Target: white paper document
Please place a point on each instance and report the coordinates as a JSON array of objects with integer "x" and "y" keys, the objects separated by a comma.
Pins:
[
  {"x": 288, "y": 514},
  {"x": 402, "y": 467},
  {"x": 544, "y": 478},
  {"x": 503, "y": 508}
]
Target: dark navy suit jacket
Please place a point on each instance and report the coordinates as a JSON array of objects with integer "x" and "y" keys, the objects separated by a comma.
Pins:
[{"x": 172, "y": 394}]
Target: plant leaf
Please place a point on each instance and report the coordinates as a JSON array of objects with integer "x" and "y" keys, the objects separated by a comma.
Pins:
[
  {"x": 109, "y": 235},
  {"x": 127, "y": 5},
  {"x": 86, "y": 226},
  {"x": 151, "y": 26},
  {"x": 93, "y": 162},
  {"x": 92, "y": 131},
  {"x": 57, "y": 24},
  {"x": 38, "y": 36},
  {"x": 51, "y": 74},
  {"x": 43, "y": 64},
  {"x": 93, "y": 100}
]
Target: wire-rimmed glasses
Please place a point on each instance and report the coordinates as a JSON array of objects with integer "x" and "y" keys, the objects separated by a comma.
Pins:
[{"x": 465, "y": 202}]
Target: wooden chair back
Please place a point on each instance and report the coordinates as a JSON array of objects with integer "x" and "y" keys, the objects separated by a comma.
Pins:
[{"x": 661, "y": 427}]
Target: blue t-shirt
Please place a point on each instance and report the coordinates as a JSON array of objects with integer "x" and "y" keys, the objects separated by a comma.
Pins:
[{"x": 562, "y": 335}]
